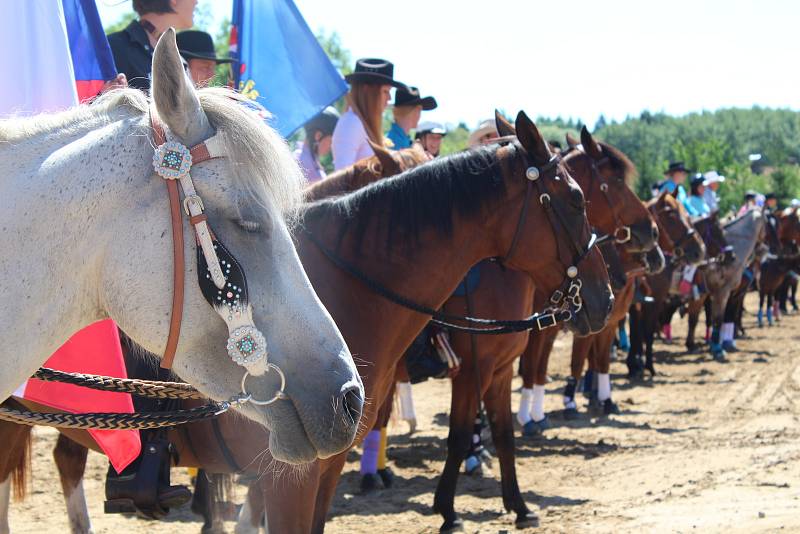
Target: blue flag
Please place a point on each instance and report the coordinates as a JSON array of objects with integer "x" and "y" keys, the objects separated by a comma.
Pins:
[{"x": 281, "y": 64}]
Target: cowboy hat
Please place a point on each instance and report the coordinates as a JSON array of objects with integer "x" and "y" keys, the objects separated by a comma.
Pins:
[
  {"x": 409, "y": 96},
  {"x": 195, "y": 44},
  {"x": 487, "y": 126},
  {"x": 374, "y": 71}
]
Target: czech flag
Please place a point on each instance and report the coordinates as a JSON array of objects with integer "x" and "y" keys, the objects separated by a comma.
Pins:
[
  {"x": 92, "y": 61},
  {"x": 280, "y": 63}
]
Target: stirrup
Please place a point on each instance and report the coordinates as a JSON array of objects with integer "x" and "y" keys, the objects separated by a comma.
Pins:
[{"x": 146, "y": 491}]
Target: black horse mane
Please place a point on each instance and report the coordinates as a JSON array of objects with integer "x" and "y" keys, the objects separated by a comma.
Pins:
[{"x": 425, "y": 197}]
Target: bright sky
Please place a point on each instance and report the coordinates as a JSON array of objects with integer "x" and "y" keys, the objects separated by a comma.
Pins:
[{"x": 578, "y": 59}]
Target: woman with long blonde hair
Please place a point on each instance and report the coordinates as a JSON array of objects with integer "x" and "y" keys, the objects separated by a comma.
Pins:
[{"x": 370, "y": 92}]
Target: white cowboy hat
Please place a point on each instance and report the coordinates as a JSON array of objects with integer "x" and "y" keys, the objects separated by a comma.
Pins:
[
  {"x": 484, "y": 127},
  {"x": 712, "y": 177}
]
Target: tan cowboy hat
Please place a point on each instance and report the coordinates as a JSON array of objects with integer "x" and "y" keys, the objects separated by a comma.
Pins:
[{"x": 484, "y": 127}]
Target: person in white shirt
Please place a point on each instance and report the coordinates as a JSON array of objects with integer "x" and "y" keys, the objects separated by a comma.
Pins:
[
  {"x": 712, "y": 181},
  {"x": 370, "y": 92}
]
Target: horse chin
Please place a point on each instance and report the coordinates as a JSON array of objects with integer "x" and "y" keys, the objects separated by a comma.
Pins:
[{"x": 288, "y": 441}]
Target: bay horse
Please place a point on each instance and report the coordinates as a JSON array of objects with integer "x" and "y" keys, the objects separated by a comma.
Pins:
[
  {"x": 109, "y": 255},
  {"x": 464, "y": 207},
  {"x": 614, "y": 206},
  {"x": 682, "y": 245},
  {"x": 781, "y": 264}
]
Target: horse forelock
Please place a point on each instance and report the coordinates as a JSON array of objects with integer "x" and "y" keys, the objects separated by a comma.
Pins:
[{"x": 259, "y": 159}]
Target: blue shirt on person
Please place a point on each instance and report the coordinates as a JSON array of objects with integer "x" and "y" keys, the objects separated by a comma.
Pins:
[
  {"x": 696, "y": 206},
  {"x": 398, "y": 137},
  {"x": 671, "y": 186}
]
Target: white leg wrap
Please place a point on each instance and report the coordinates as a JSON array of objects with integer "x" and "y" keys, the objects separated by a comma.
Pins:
[
  {"x": 525, "y": 400},
  {"x": 603, "y": 386},
  {"x": 727, "y": 331},
  {"x": 538, "y": 403},
  {"x": 407, "y": 412},
  {"x": 78, "y": 511}
]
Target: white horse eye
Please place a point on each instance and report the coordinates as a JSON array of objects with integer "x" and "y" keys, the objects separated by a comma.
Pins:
[{"x": 249, "y": 226}]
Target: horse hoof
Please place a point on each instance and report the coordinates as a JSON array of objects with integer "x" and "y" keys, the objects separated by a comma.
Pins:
[
  {"x": 720, "y": 357},
  {"x": 730, "y": 346},
  {"x": 452, "y": 525},
  {"x": 610, "y": 407},
  {"x": 571, "y": 414},
  {"x": 527, "y": 519},
  {"x": 387, "y": 477},
  {"x": 412, "y": 425},
  {"x": 370, "y": 482},
  {"x": 533, "y": 429}
]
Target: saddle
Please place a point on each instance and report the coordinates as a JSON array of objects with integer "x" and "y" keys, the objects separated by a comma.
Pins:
[{"x": 431, "y": 356}]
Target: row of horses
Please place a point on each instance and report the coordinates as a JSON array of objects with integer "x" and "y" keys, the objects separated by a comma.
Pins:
[{"x": 416, "y": 227}]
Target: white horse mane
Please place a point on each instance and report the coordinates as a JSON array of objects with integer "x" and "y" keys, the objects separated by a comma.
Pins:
[{"x": 259, "y": 159}]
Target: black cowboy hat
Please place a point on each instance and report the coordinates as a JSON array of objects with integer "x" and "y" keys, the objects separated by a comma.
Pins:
[
  {"x": 194, "y": 44},
  {"x": 676, "y": 166},
  {"x": 409, "y": 96},
  {"x": 698, "y": 179},
  {"x": 375, "y": 71},
  {"x": 325, "y": 122},
  {"x": 770, "y": 195}
]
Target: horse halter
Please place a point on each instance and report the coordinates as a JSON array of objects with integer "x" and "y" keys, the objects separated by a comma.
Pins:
[
  {"x": 221, "y": 278},
  {"x": 622, "y": 232},
  {"x": 568, "y": 295}
]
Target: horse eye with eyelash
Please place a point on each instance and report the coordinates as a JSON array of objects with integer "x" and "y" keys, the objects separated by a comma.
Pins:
[{"x": 249, "y": 226}]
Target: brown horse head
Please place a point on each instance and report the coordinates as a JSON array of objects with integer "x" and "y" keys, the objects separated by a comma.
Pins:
[
  {"x": 383, "y": 164},
  {"x": 676, "y": 234},
  {"x": 789, "y": 228},
  {"x": 565, "y": 211},
  {"x": 605, "y": 174}
]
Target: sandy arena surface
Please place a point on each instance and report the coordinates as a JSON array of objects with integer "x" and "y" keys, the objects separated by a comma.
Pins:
[{"x": 704, "y": 447}]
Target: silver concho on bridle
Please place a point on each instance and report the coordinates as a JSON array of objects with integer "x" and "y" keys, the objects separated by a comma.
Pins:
[{"x": 246, "y": 345}]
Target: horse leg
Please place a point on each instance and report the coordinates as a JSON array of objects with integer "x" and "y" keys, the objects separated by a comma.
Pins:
[
  {"x": 404, "y": 394},
  {"x": 633, "y": 361},
  {"x": 580, "y": 352},
  {"x": 769, "y": 309},
  {"x": 538, "y": 354},
  {"x": 207, "y": 502},
  {"x": 326, "y": 491},
  {"x": 463, "y": 407},
  {"x": 252, "y": 513},
  {"x": 602, "y": 364},
  {"x": 498, "y": 407},
  {"x": 70, "y": 459},
  {"x": 288, "y": 502},
  {"x": 760, "y": 315},
  {"x": 5, "y": 500},
  {"x": 650, "y": 322}
]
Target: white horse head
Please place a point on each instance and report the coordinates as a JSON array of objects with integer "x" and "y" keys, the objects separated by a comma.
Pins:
[{"x": 86, "y": 235}]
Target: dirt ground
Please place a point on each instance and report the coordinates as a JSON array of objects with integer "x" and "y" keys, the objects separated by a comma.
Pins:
[{"x": 703, "y": 447}]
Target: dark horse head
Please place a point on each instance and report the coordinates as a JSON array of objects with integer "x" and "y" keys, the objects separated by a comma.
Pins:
[
  {"x": 677, "y": 236},
  {"x": 717, "y": 246}
]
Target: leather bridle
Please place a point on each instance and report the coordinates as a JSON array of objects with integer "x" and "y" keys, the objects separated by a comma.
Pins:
[
  {"x": 622, "y": 232},
  {"x": 220, "y": 277},
  {"x": 568, "y": 295}
]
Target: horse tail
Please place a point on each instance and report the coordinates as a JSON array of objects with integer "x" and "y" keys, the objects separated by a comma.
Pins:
[{"x": 22, "y": 468}]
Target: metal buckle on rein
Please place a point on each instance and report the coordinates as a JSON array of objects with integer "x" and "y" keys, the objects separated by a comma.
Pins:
[{"x": 626, "y": 230}]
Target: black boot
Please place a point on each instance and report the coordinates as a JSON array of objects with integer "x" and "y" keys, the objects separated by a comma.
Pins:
[{"x": 143, "y": 487}]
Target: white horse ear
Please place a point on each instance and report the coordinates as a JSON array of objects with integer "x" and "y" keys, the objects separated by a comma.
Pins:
[{"x": 174, "y": 95}]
